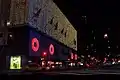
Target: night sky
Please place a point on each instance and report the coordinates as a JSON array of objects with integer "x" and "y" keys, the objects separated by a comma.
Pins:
[{"x": 102, "y": 17}]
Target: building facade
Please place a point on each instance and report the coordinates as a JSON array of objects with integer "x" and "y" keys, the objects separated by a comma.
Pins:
[
  {"x": 4, "y": 17},
  {"x": 46, "y": 17}
]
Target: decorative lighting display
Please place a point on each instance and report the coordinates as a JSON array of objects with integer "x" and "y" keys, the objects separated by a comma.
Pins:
[
  {"x": 51, "y": 49},
  {"x": 35, "y": 44},
  {"x": 43, "y": 46}
]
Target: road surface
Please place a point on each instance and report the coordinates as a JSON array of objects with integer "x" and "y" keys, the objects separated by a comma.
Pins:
[
  {"x": 107, "y": 70},
  {"x": 70, "y": 72},
  {"x": 85, "y": 72}
]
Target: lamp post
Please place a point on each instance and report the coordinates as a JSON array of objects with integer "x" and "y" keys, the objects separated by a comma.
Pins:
[
  {"x": 108, "y": 43},
  {"x": 106, "y": 36}
]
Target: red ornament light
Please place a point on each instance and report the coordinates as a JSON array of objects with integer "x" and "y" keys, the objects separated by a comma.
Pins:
[
  {"x": 51, "y": 49},
  {"x": 76, "y": 56},
  {"x": 72, "y": 56},
  {"x": 105, "y": 59},
  {"x": 35, "y": 44},
  {"x": 44, "y": 53}
]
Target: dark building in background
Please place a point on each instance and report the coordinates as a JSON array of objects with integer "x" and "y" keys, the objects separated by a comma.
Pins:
[
  {"x": 4, "y": 17},
  {"x": 82, "y": 36},
  {"x": 98, "y": 37},
  {"x": 102, "y": 38}
]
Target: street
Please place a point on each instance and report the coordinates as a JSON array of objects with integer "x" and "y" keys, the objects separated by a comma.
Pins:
[
  {"x": 103, "y": 70},
  {"x": 70, "y": 72},
  {"x": 85, "y": 72}
]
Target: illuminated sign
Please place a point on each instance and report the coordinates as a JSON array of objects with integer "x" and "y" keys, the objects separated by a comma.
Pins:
[
  {"x": 41, "y": 45},
  {"x": 35, "y": 44},
  {"x": 51, "y": 49},
  {"x": 15, "y": 62}
]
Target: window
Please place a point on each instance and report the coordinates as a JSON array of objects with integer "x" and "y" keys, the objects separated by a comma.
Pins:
[
  {"x": 74, "y": 41},
  {"x": 65, "y": 33},
  {"x": 51, "y": 22},
  {"x": 62, "y": 31},
  {"x": 56, "y": 26},
  {"x": 37, "y": 13}
]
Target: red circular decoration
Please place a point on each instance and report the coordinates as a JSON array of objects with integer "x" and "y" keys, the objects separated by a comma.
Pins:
[
  {"x": 35, "y": 44},
  {"x": 51, "y": 49}
]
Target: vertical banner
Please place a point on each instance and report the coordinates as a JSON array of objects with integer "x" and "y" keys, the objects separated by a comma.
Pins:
[{"x": 15, "y": 62}]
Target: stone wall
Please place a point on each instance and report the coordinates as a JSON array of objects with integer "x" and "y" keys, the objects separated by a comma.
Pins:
[{"x": 18, "y": 12}]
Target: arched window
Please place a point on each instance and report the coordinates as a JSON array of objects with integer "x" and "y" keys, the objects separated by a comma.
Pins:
[
  {"x": 65, "y": 33},
  {"x": 51, "y": 21},
  {"x": 62, "y": 31},
  {"x": 74, "y": 42},
  {"x": 36, "y": 14},
  {"x": 56, "y": 26}
]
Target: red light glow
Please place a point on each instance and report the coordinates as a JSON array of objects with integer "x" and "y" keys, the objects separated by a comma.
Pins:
[
  {"x": 35, "y": 44},
  {"x": 87, "y": 65},
  {"x": 51, "y": 49},
  {"x": 105, "y": 59},
  {"x": 44, "y": 53},
  {"x": 72, "y": 56},
  {"x": 76, "y": 56}
]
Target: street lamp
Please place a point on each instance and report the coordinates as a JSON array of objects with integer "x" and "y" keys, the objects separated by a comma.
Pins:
[
  {"x": 105, "y": 35},
  {"x": 109, "y": 47},
  {"x": 44, "y": 53},
  {"x": 8, "y": 23}
]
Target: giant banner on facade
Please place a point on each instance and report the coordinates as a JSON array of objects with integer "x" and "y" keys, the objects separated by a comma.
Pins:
[{"x": 43, "y": 45}]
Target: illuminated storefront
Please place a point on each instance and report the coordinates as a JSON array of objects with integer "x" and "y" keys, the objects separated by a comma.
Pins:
[{"x": 36, "y": 47}]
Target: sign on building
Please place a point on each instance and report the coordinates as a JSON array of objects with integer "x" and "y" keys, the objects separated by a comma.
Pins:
[{"x": 15, "y": 62}]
